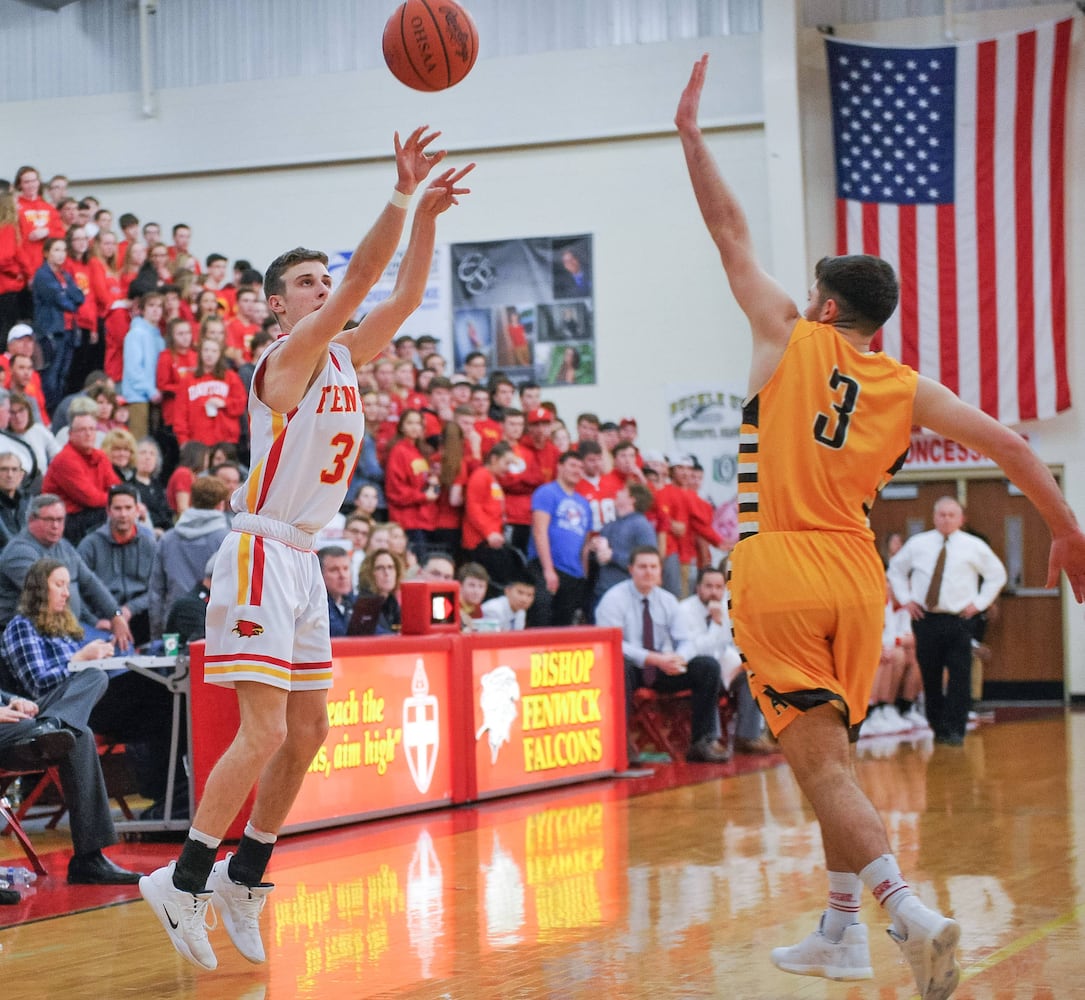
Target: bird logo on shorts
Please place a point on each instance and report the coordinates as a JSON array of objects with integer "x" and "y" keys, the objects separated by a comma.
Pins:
[{"x": 246, "y": 629}]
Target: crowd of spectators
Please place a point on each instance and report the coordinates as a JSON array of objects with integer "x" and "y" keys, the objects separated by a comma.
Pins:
[{"x": 125, "y": 366}]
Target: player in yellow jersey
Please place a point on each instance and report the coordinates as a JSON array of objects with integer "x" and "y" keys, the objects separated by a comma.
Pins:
[
  {"x": 825, "y": 424},
  {"x": 267, "y": 622}
]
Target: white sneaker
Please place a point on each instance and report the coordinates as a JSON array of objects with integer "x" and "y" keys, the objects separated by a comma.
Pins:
[
  {"x": 240, "y": 907},
  {"x": 930, "y": 945},
  {"x": 816, "y": 955},
  {"x": 895, "y": 720},
  {"x": 182, "y": 914},
  {"x": 916, "y": 718},
  {"x": 875, "y": 724}
]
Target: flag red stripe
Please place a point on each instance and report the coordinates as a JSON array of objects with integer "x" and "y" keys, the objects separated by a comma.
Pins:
[
  {"x": 841, "y": 226},
  {"x": 909, "y": 286},
  {"x": 1022, "y": 177},
  {"x": 1057, "y": 152},
  {"x": 986, "y": 239},
  {"x": 947, "y": 298},
  {"x": 871, "y": 243}
]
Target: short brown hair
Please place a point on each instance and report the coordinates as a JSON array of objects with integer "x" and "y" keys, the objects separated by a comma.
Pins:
[
  {"x": 208, "y": 492},
  {"x": 273, "y": 277}
]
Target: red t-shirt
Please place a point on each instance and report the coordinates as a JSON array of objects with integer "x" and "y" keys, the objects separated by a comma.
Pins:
[
  {"x": 484, "y": 508},
  {"x": 600, "y": 497}
]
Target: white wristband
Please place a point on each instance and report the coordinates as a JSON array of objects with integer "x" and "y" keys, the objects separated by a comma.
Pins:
[{"x": 399, "y": 199}]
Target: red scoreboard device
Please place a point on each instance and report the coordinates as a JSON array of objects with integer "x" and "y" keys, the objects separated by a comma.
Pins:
[{"x": 429, "y": 606}]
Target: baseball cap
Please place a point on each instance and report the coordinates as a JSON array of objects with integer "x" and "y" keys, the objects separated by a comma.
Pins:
[
  {"x": 120, "y": 401},
  {"x": 20, "y": 330},
  {"x": 540, "y": 416},
  {"x": 683, "y": 460},
  {"x": 627, "y": 422},
  {"x": 654, "y": 457}
]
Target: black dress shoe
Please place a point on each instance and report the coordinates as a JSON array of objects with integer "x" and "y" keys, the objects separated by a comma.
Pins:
[
  {"x": 708, "y": 751},
  {"x": 950, "y": 740},
  {"x": 45, "y": 744},
  {"x": 97, "y": 869},
  {"x": 759, "y": 746}
]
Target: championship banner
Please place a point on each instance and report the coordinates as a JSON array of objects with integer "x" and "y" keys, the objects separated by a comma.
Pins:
[
  {"x": 431, "y": 317},
  {"x": 704, "y": 421},
  {"x": 389, "y": 747},
  {"x": 528, "y": 306},
  {"x": 544, "y": 713}
]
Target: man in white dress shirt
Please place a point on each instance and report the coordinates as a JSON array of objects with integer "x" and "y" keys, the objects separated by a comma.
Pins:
[
  {"x": 708, "y": 630},
  {"x": 653, "y": 640},
  {"x": 945, "y": 578}
]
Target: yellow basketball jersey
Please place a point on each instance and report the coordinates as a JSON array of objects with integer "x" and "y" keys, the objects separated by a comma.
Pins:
[{"x": 827, "y": 431}]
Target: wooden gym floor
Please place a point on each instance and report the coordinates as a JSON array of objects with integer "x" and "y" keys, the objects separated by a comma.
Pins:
[{"x": 674, "y": 886}]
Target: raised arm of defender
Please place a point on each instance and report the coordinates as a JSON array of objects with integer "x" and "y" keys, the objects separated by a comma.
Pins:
[{"x": 771, "y": 311}]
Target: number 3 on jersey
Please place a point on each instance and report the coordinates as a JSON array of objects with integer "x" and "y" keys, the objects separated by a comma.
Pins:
[
  {"x": 345, "y": 445},
  {"x": 843, "y": 411}
]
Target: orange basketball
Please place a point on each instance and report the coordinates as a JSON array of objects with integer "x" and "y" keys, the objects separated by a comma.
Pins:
[{"x": 430, "y": 44}]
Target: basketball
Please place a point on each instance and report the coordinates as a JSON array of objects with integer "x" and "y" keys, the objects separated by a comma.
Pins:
[{"x": 430, "y": 44}]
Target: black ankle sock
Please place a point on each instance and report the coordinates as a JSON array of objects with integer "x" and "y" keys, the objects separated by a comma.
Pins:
[
  {"x": 248, "y": 865},
  {"x": 194, "y": 866},
  {"x": 903, "y": 705}
]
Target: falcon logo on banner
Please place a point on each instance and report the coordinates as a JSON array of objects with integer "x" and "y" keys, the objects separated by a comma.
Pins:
[{"x": 950, "y": 165}]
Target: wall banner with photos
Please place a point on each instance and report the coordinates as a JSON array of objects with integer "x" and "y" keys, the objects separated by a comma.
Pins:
[
  {"x": 527, "y": 305},
  {"x": 703, "y": 421}
]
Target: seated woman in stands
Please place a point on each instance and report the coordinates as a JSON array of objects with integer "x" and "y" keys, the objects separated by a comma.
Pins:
[
  {"x": 44, "y": 642},
  {"x": 380, "y": 576}
]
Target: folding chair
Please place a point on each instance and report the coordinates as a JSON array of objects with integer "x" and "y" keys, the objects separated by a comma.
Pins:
[
  {"x": 46, "y": 794},
  {"x": 663, "y": 721},
  {"x": 11, "y": 819}
]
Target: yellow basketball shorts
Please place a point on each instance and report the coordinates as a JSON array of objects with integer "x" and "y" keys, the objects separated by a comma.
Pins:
[{"x": 807, "y": 611}]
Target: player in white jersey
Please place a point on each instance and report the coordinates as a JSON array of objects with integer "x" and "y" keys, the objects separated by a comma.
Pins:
[{"x": 267, "y": 624}]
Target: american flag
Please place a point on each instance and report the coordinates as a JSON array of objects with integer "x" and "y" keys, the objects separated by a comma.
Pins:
[{"x": 950, "y": 165}]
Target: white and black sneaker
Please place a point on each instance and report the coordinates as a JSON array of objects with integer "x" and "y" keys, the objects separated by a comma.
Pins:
[
  {"x": 240, "y": 907},
  {"x": 183, "y": 915}
]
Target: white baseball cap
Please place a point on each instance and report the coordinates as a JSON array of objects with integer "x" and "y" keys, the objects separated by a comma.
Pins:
[{"x": 20, "y": 330}]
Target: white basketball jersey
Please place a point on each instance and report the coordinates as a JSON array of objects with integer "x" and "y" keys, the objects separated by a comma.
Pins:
[{"x": 302, "y": 461}]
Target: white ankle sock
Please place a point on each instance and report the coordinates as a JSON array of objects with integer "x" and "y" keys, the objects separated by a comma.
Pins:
[
  {"x": 845, "y": 898},
  {"x": 883, "y": 878}
]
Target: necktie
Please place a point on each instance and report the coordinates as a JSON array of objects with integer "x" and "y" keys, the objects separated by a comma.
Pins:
[
  {"x": 648, "y": 641},
  {"x": 936, "y": 578}
]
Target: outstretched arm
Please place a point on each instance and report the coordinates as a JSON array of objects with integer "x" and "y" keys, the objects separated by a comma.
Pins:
[
  {"x": 940, "y": 410},
  {"x": 380, "y": 325},
  {"x": 771, "y": 311},
  {"x": 291, "y": 368}
]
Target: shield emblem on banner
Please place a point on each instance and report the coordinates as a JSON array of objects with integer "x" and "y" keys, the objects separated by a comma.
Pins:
[{"x": 421, "y": 732}]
